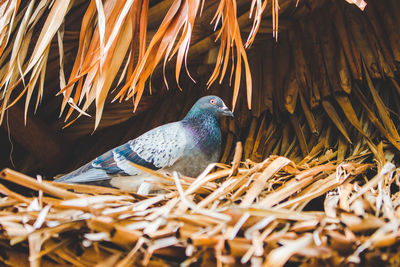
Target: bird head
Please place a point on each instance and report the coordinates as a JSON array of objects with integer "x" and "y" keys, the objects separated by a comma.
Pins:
[{"x": 212, "y": 105}]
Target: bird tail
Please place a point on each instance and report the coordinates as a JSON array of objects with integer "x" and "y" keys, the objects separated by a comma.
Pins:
[{"x": 84, "y": 174}]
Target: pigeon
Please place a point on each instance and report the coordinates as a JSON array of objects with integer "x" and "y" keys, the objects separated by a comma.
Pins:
[{"x": 187, "y": 146}]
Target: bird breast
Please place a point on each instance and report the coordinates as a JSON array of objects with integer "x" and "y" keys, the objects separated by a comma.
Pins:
[{"x": 194, "y": 163}]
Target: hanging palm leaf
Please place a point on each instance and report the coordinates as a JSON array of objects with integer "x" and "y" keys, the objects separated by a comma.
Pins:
[{"x": 111, "y": 34}]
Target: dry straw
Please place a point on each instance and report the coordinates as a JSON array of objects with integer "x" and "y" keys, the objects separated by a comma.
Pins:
[{"x": 266, "y": 213}]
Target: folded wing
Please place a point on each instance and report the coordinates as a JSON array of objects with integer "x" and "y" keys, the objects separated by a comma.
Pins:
[{"x": 155, "y": 149}]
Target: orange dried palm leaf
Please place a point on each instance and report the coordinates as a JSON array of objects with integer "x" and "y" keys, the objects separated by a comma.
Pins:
[{"x": 230, "y": 36}]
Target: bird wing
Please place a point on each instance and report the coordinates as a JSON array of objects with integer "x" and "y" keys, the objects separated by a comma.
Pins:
[{"x": 155, "y": 149}]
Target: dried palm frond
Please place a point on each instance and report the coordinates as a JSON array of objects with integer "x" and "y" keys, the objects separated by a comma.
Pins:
[
  {"x": 230, "y": 35},
  {"x": 360, "y": 3},
  {"x": 8, "y": 14},
  {"x": 112, "y": 47},
  {"x": 268, "y": 212}
]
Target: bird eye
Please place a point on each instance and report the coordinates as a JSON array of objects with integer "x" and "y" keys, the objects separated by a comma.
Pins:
[{"x": 212, "y": 101}]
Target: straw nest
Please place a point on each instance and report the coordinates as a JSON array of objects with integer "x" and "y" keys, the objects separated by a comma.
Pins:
[{"x": 269, "y": 213}]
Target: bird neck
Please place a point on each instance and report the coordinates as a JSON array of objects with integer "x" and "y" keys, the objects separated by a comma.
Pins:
[{"x": 205, "y": 130}]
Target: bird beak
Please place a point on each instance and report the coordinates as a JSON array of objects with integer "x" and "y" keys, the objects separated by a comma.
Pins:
[{"x": 226, "y": 112}]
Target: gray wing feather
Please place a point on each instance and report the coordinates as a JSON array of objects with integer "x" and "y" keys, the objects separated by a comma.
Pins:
[
  {"x": 84, "y": 174},
  {"x": 162, "y": 146},
  {"x": 159, "y": 148}
]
